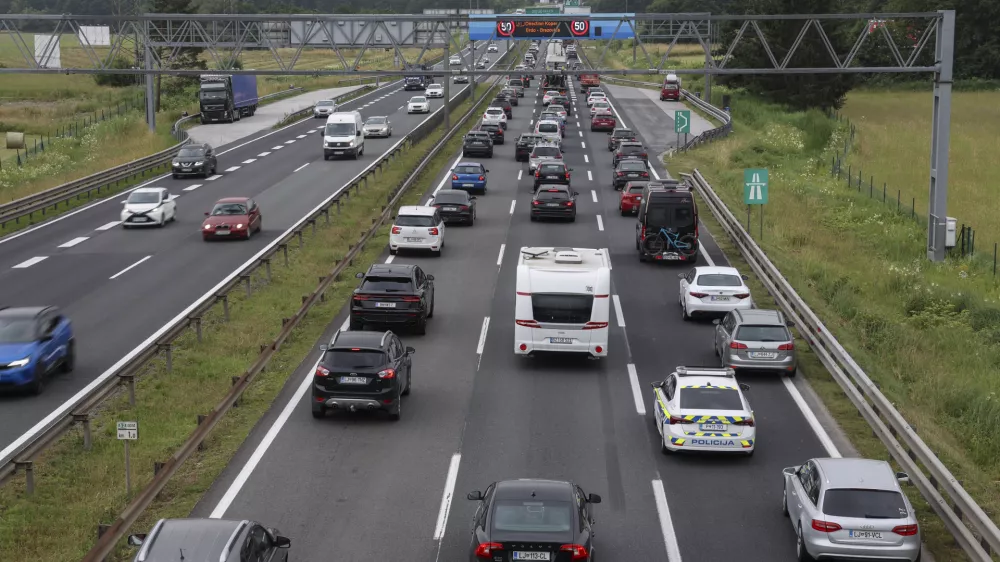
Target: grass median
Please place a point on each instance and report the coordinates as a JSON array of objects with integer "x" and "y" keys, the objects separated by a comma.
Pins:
[
  {"x": 925, "y": 332},
  {"x": 81, "y": 489}
]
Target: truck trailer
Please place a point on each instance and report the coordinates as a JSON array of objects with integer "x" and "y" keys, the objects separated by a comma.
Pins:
[{"x": 227, "y": 97}]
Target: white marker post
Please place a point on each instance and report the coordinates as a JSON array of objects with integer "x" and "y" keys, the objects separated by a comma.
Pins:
[{"x": 128, "y": 431}]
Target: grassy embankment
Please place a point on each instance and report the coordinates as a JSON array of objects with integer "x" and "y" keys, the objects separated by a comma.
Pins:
[
  {"x": 926, "y": 333},
  {"x": 81, "y": 489}
]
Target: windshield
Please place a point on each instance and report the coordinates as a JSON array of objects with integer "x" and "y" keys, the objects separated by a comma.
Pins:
[
  {"x": 670, "y": 216},
  {"x": 550, "y": 116},
  {"x": 552, "y": 93},
  {"x": 324, "y": 103},
  {"x": 532, "y": 517},
  {"x": 468, "y": 169},
  {"x": 548, "y": 128},
  {"x": 229, "y": 209},
  {"x": 554, "y": 195},
  {"x": 709, "y": 398},
  {"x": 718, "y": 280},
  {"x": 388, "y": 284},
  {"x": 418, "y": 100},
  {"x": 515, "y": 82},
  {"x": 376, "y": 121},
  {"x": 415, "y": 220},
  {"x": 143, "y": 197},
  {"x": 16, "y": 330},
  {"x": 339, "y": 129},
  {"x": 459, "y": 198},
  {"x": 191, "y": 153},
  {"x": 763, "y": 334},
  {"x": 865, "y": 504},
  {"x": 213, "y": 95},
  {"x": 634, "y": 166},
  {"x": 347, "y": 360},
  {"x": 545, "y": 151},
  {"x": 434, "y": 86},
  {"x": 494, "y": 111}
]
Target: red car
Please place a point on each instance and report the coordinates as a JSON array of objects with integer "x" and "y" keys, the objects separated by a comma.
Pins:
[
  {"x": 603, "y": 122},
  {"x": 631, "y": 198},
  {"x": 232, "y": 217}
]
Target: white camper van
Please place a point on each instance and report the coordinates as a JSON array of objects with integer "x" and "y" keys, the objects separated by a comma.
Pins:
[
  {"x": 342, "y": 135},
  {"x": 562, "y": 302}
]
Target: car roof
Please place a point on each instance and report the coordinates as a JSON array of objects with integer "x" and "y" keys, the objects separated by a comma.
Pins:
[
  {"x": 552, "y": 163},
  {"x": 629, "y": 143},
  {"x": 22, "y": 311},
  {"x": 149, "y": 190},
  {"x": 418, "y": 210},
  {"x": 552, "y": 121},
  {"x": 551, "y": 187},
  {"x": 357, "y": 338},
  {"x": 451, "y": 192},
  {"x": 857, "y": 473},
  {"x": 622, "y": 130},
  {"x": 531, "y": 489},
  {"x": 761, "y": 316},
  {"x": 200, "y": 539},
  {"x": 716, "y": 269},
  {"x": 233, "y": 200},
  {"x": 469, "y": 164}
]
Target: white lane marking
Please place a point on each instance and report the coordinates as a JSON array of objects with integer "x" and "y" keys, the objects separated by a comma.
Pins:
[
  {"x": 586, "y": 159},
  {"x": 577, "y": 123},
  {"x": 447, "y": 175},
  {"x": 807, "y": 413},
  {"x": 231, "y": 169},
  {"x": 446, "y": 497},
  {"x": 655, "y": 175},
  {"x": 666, "y": 523},
  {"x": 310, "y": 131},
  {"x": 346, "y": 325},
  {"x": 704, "y": 253},
  {"x": 400, "y": 108},
  {"x": 531, "y": 122},
  {"x": 512, "y": 203},
  {"x": 264, "y": 445},
  {"x": 519, "y": 173},
  {"x": 390, "y": 258},
  {"x": 263, "y": 154},
  {"x": 109, "y": 226},
  {"x": 482, "y": 336},
  {"x": 590, "y": 176},
  {"x": 593, "y": 195},
  {"x": 213, "y": 178},
  {"x": 192, "y": 187},
  {"x": 74, "y": 241},
  {"x": 29, "y": 262},
  {"x": 122, "y": 272},
  {"x": 301, "y": 137},
  {"x": 600, "y": 223},
  {"x": 584, "y": 144},
  {"x": 289, "y": 141},
  {"x": 633, "y": 380},
  {"x": 618, "y": 311},
  {"x": 279, "y": 147},
  {"x": 429, "y": 201},
  {"x": 581, "y": 135},
  {"x": 500, "y": 257},
  {"x": 249, "y": 160},
  {"x": 300, "y": 167}
]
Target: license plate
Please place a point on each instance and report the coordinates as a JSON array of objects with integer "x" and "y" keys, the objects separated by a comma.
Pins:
[
  {"x": 185, "y": 169},
  {"x": 557, "y": 340},
  {"x": 385, "y": 305},
  {"x": 451, "y": 208},
  {"x": 468, "y": 185},
  {"x": 762, "y": 354},
  {"x": 222, "y": 233},
  {"x": 477, "y": 144},
  {"x": 552, "y": 204},
  {"x": 713, "y": 427},
  {"x": 670, "y": 257},
  {"x": 338, "y": 151},
  {"x": 720, "y": 299},
  {"x": 414, "y": 239},
  {"x": 551, "y": 177},
  {"x": 353, "y": 380},
  {"x": 519, "y": 555},
  {"x": 852, "y": 534},
  {"x": 139, "y": 219}
]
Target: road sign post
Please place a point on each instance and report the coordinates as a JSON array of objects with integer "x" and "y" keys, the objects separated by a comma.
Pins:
[
  {"x": 682, "y": 124},
  {"x": 755, "y": 192},
  {"x": 128, "y": 431}
]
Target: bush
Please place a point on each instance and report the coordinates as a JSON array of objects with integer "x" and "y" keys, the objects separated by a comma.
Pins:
[{"x": 117, "y": 80}]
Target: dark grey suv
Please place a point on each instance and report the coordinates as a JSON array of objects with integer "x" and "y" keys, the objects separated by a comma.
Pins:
[
  {"x": 210, "y": 539},
  {"x": 194, "y": 160}
]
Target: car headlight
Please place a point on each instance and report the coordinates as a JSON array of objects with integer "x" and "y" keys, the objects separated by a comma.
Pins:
[
  {"x": 198, "y": 163},
  {"x": 240, "y": 225},
  {"x": 19, "y": 362},
  {"x": 208, "y": 227}
]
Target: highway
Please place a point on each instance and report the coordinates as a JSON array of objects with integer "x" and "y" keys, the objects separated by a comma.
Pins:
[
  {"x": 359, "y": 487},
  {"x": 119, "y": 287}
]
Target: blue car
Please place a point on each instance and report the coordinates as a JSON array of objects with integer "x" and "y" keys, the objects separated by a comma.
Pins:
[
  {"x": 469, "y": 176},
  {"x": 34, "y": 343}
]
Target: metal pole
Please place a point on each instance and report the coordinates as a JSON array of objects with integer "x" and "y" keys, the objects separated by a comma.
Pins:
[
  {"x": 447, "y": 85},
  {"x": 937, "y": 211},
  {"x": 708, "y": 64},
  {"x": 150, "y": 81},
  {"x": 128, "y": 470},
  {"x": 472, "y": 63}
]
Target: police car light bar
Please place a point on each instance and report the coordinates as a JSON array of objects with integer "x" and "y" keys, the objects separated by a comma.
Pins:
[{"x": 705, "y": 371}]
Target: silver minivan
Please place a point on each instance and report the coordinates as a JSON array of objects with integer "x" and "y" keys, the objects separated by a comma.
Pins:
[{"x": 755, "y": 339}]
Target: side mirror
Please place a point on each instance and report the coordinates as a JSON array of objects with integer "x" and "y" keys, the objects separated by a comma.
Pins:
[
  {"x": 472, "y": 198},
  {"x": 206, "y": 213},
  {"x": 716, "y": 321},
  {"x": 789, "y": 471},
  {"x": 789, "y": 323},
  {"x": 570, "y": 169},
  {"x": 475, "y": 496},
  {"x": 125, "y": 202},
  {"x": 745, "y": 277},
  {"x": 358, "y": 134},
  {"x": 410, "y": 350},
  {"x": 576, "y": 193},
  {"x": 359, "y": 275},
  {"x": 903, "y": 477},
  {"x": 485, "y": 170},
  {"x": 430, "y": 277},
  {"x": 282, "y": 542},
  {"x": 609, "y": 134},
  {"x": 744, "y": 387},
  {"x": 136, "y": 540},
  {"x": 594, "y": 498},
  {"x": 324, "y": 347},
  {"x": 657, "y": 384}
]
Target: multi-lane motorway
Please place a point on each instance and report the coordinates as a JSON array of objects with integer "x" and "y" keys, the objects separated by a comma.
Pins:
[
  {"x": 119, "y": 287},
  {"x": 358, "y": 487}
]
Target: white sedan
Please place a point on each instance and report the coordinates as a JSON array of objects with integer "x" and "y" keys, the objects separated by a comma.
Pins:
[
  {"x": 599, "y": 107},
  {"x": 713, "y": 290},
  {"x": 547, "y": 97},
  {"x": 595, "y": 97},
  {"x": 418, "y": 104},
  {"x": 149, "y": 206},
  {"x": 455, "y": 60},
  {"x": 495, "y": 116},
  {"x": 434, "y": 91}
]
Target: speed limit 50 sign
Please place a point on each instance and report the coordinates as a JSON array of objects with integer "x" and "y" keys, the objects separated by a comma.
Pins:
[{"x": 542, "y": 29}]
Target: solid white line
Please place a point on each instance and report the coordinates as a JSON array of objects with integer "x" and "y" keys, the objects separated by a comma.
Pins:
[
  {"x": 192, "y": 187},
  {"x": 301, "y": 137},
  {"x": 600, "y": 223},
  {"x": 213, "y": 178},
  {"x": 300, "y": 167},
  {"x": 346, "y": 325},
  {"x": 666, "y": 523},
  {"x": 263, "y": 154},
  {"x": 231, "y": 169},
  {"x": 586, "y": 159},
  {"x": 584, "y": 144},
  {"x": 807, "y": 413},
  {"x": 704, "y": 253},
  {"x": 390, "y": 258},
  {"x": 482, "y": 336},
  {"x": 633, "y": 379},
  {"x": 109, "y": 226},
  {"x": 265, "y": 444},
  {"x": 446, "y": 497},
  {"x": 400, "y": 108},
  {"x": 30, "y": 262},
  {"x": 590, "y": 176},
  {"x": 279, "y": 147},
  {"x": 512, "y": 203},
  {"x": 618, "y": 311},
  {"x": 500, "y": 257},
  {"x": 655, "y": 175},
  {"x": 593, "y": 194},
  {"x": 447, "y": 174},
  {"x": 74, "y": 242},
  {"x": 289, "y": 141},
  {"x": 122, "y": 272}
]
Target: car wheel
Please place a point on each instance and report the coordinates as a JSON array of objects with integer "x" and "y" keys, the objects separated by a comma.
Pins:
[
  {"x": 319, "y": 411},
  {"x": 175, "y": 176},
  {"x": 421, "y": 327},
  {"x": 430, "y": 313},
  {"x": 534, "y": 218},
  {"x": 684, "y": 313},
  {"x": 663, "y": 442},
  {"x": 38, "y": 382},
  {"x": 800, "y": 547},
  {"x": 69, "y": 362},
  {"x": 393, "y": 252},
  {"x": 397, "y": 414},
  {"x": 409, "y": 381},
  {"x": 464, "y": 154},
  {"x": 624, "y": 212},
  {"x": 784, "y": 502}
]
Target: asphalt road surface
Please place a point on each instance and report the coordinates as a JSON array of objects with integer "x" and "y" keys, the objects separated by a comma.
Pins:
[
  {"x": 119, "y": 287},
  {"x": 359, "y": 487}
]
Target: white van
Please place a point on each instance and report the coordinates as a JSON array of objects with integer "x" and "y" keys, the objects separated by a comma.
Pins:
[
  {"x": 342, "y": 135},
  {"x": 562, "y": 302}
]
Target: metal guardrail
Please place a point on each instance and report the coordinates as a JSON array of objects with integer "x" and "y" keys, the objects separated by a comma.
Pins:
[
  {"x": 116, "y": 531},
  {"x": 972, "y": 528}
]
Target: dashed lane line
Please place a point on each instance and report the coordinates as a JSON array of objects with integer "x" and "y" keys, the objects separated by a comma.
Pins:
[
  {"x": 74, "y": 242},
  {"x": 30, "y": 262}
]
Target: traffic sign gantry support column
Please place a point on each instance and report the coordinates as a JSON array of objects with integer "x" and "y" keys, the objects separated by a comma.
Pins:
[{"x": 937, "y": 201}]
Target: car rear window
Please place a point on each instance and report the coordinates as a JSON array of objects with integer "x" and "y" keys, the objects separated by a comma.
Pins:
[
  {"x": 548, "y": 128},
  {"x": 490, "y": 127},
  {"x": 556, "y": 108},
  {"x": 451, "y": 198},
  {"x": 391, "y": 284},
  {"x": 632, "y": 149},
  {"x": 415, "y": 220},
  {"x": 718, "y": 280},
  {"x": 624, "y": 134},
  {"x": 638, "y": 165},
  {"x": 515, "y": 82},
  {"x": 468, "y": 170},
  {"x": 562, "y": 309},
  {"x": 708, "y": 398},
  {"x": 546, "y": 151},
  {"x": 554, "y": 195},
  {"x": 864, "y": 504},
  {"x": 763, "y": 333},
  {"x": 636, "y": 188},
  {"x": 551, "y": 169},
  {"x": 532, "y": 516},
  {"x": 494, "y": 110},
  {"x": 670, "y": 215},
  {"x": 349, "y": 360}
]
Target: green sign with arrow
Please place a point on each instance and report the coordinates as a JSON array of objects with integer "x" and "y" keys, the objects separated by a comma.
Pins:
[
  {"x": 755, "y": 186},
  {"x": 682, "y": 121}
]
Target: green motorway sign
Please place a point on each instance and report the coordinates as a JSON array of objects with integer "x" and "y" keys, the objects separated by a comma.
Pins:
[
  {"x": 541, "y": 11},
  {"x": 755, "y": 186},
  {"x": 682, "y": 121}
]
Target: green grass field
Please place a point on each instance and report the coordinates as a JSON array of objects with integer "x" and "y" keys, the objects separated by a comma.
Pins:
[{"x": 926, "y": 333}]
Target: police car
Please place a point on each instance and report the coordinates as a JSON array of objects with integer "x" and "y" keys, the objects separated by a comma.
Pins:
[{"x": 703, "y": 409}]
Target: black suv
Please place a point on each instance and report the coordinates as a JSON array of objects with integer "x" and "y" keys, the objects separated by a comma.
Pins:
[
  {"x": 510, "y": 95},
  {"x": 362, "y": 371},
  {"x": 554, "y": 201},
  {"x": 393, "y": 294},
  {"x": 630, "y": 151},
  {"x": 670, "y": 205},
  {"x": 552, "y": 172},
  {"x": 620, "y": 134},
  {"x": 495, "y": 131},
  {"x": 194, "y": 160},
  {"x": 525, "y": 142},
  {"x": 502, "y": 102},
  {"x": 199, "y": 539},
  {"x": 478, "y": 142}
]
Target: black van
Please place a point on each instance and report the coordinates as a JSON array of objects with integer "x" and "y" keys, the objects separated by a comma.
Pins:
[{"x": 667, "y": 204}]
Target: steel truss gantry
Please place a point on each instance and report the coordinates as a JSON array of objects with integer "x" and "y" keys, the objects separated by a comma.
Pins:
[{"x": 226, "y": 37}]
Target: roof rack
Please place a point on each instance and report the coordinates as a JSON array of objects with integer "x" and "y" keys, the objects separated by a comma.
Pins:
[{"x": 704, "y": 372}]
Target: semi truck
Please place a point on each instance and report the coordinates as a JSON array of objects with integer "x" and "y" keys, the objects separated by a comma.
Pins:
[
  {"x": 418, "y": 82},
  {"x": 227, "y": 97}
]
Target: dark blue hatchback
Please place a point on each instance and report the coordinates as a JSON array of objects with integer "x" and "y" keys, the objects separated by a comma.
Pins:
[
  {"x": 469, "y": 176},
  {"x": 34, "y": 342}
]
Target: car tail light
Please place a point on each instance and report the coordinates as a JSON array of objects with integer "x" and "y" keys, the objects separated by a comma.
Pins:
[
  {"x": 454, "y": 176},
  {"x": 433, "y": 231},
  {"x": 644, "y": 155},
  {"x": 567, "y": 175},
  {"x": 906, "y": 530},
  {"x": 579, "y": 552},
  {"x": 742, "y": 295},
  {"x": 322, "y": 371},
  {"x": 463, "y": 207},
  {"x": 677, "y": 420},
  {"x": 387, "y": 374},
  {"x": 523, "y": 347},
  {"x": 411, "y": 299},
  {"x": 698, "y": 295},
  {"x": 825, "y": 526},
  {"x": 747, "y": 422},
  {"x": 362, "y": 297},
  {"x": 528, "y": 323},
  {"x": 595, "y": 325},
  {"x": 599, "y": 349},
  {"x": 620, "y": 174},
  {"x": 536, "y": 202},
  {"x": 486, "y": 549},
  {"x": 482, "y": 178},
  {"x": 538, "y": 173},
  {"x": 396, "y": 230},
  {"x": 569, "y": 203},
  {"x": 559, "y": 156},
  {"x": 738, "y": 345},
  {"x": 645, "y": 174},
  {"x": 790, "y": 346}
]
